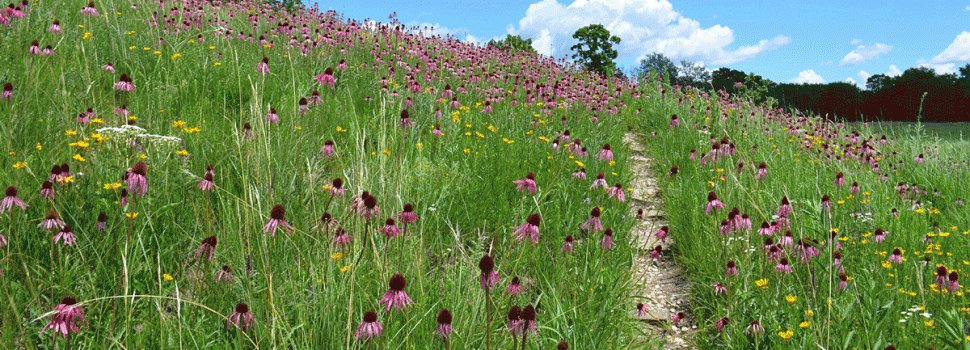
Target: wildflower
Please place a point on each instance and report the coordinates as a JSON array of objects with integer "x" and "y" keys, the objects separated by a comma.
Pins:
[
  {"x": 953, "y": 284},
  {"x": 528, "y": 184},
  {"x": 10, "y": 200},
  {"x": 616, "y": 191},
  {"x": 341, "y": 237},
  {"x": 208, "y": 247},
  {"x": 89, "y": 10},
  {"x": 395, "y": 295},
  {"x": 437, "y": 129},
  {"x": 879, "y": 235},
  {"x": 783, "y": 266},
  {"x": 562, "y": 346},
  {"x": 662, "y": 233},
  {"x": 327, "y": 149},
  {"x": 337, "y": 188},
  {"x": 489, "y": 276},
  {"x": 657, "y": 252},
  {"x": 407, "y": 216},
  {"x": 55, "y": 28},
  {"x": 277, "y": 219},
  {"x": 726, "y": 228},
  {"x": 785, "y": 209},
  {"x": 567, "y": 246},
  {"x": 136, "y": 180},
  {"x": 600, "y": 181},
  {"x": 762, "y": 283},
  {"x": 389, "y": 230},
  {"x": 122, "y": 110},
  {"x": 642, "y": 310},
  {"x": 241, "y": 317},
  {"x": 762, "y": 171},
  {"x": 839, "y": 179},
  {"x": 674, "y": 169},
  {"x": 66, "y": 318},
  {"x": 369, "y": 328},
  {"x": 919, "y": 159},
  {"x": 755, "y": 329},
  {"x": 514, "y": 318},
  {"x": 787, "y": 239},
  {"x": 713, "y": 203},
  {"x": 7, "y": 92},
  {"x": 731, "y": 269},
  {"x": 51, "y": 221},
  {"x": 315, "y": 98},
  {"x": 897, "y": 256},
  {"x": 108, "y": 67},
  {"x": 263, "y": 67},
  {"x": 224, "y": 274},
  {"x": 529, "y": 319},
  {"x": 941, "y": 277},
  {"x": 369, "y": 209},
  {"x": 530, "y": 229},
  {"x": 66, "y": 235},
  {"x": 102, "y": 222},
  {"x": 272, "y": 117},
  {"x": 124, "y": 83},
  {"x": 206, "y": 184},
  {"x": 34, "y": 48},
  {"x": 514, "y": 288},
  {"x": 843, "y": 281},
  {"x": 720, "y": 323},
  {"x": 326, "y": 78},
  {"x": 605, "y": 154},
  {"x": 444, "y": 324},
  {"x": 607, "y": 241},
  {"x": 405, "y": 121},
  {"x": 719, "y": 288},
  {"x": 123, "y": 201},
  {"x": 680, "y": 316},
  {"x": 674, "y": 121},
  {"x": 854, "y": 189},
  {"x": 826, "y": 203}
]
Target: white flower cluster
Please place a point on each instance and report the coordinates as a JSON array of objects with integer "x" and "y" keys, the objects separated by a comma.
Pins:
[
  {"x": 909, "y": 313},
  {"x": 129, "y": 132}
]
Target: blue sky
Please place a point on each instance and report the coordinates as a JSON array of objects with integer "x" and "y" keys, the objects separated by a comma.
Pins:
[{"x": 785, "y": 41}]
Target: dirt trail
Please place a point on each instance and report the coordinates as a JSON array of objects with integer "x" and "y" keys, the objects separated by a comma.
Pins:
[{"x": 658, "y": 283}]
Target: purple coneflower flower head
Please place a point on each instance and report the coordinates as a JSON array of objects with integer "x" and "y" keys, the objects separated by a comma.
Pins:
[
  {"x": 341, "y": 237},
  {"x": 123, "y": 201},
  {"x": 395, "y": 295},
  {"x": 263, "y": 67},
  {"x": 755, "y": 329},
  {"x": 854, "y": 189},
  {"x": 941, "y": 277},
  {"x": 488, "y": 108},
  {"x": 337, "y": 188},
  {"x": 783, "y": 266},
  {"x": 826, "y": 202},
  {"x": 206, "y": 184},
  {"x": 10, "y": 199},
  {"x": 529, "y": 319},
  {"x": 674, "y": 121},
  {"x": 731, "y": 268},
  {"x": 437, "y": 113},
  {"x": 407, "y": 216},
  {"x": 600, "y": 181},
  {"x": 277, "y": 219},
  {"x": 437, "y": 130},
  {"x": 241, "y": 317},
  {"x": 530, "y": 229},
  {"x": 839, "y": 179},
  {"x": 369, "y": 328},
  {"x": 712, "y": 203},
  {"x": 616, "y": 191},
  {"x": 326, "y": 222},
  {"x": 785, "y": 208},
  {"x": 674, "y": 169},
  {"x": 726, "y": 228},
  {"x": 315, "y": 98},
  {"x": 124, "y": 83},
  {"x": 843, "y": 282},
  {"x": 489, "y": 276},
  {"x": 919, "y": 159},
  {"x": 34, "y": 48},
  {"x": 834, "y": 239},
  {"x": 122, "y": 110},
  {"x": 110, "y": 68},
  {"x": 389, "y": 230},
  {"x": 208, "y": 247},
  {"x": 607, "y": 241},
  {"x": 136, "y": 181},
  {"x": 405, "y": 121},
  {"x": 593, "y": 223},
  {"x": 662, "y": 233},
  {"x": 528, "y": 184},
  {"x": 444, "y": 324},
  {"x": 562, "y": 346},
  {"x": 567, "y": 246},
  {"x": 55, "y": 28},
  {"x": 224, "y": 274},
  {"x": 657, "y": 252},
  {"x": 304, "y": 106},
  {"x": 720, "y": 323},
  {"x": 89, "y": 10},
  {"x": 605, "y": 154},
  {"x": 370, "y": 209},
  {"x": 514, "y": 318},
  {"x": 102, "y": 222},
  {"x": 272, "y": 117},
  {"x": 67, "y": 317},
  {"x": 680, "y": 316},
  {"x": 66, "y": 235},
  {"x": 787, "y": 240},
  {"x": 51, "y": 221},
  {"x": 327, "y": 149},
  {"x": 326, "y": 78},
  {"x": 580, "y": 174},
  {"x": 762, "y": 171},
  {"x": 953, "y": 284},
  {"x": 514, "y": 288},
  {"x": 642, "y": 310},
  {"x": 56, "y": 174},
  {"x": 7, "y": 92}
]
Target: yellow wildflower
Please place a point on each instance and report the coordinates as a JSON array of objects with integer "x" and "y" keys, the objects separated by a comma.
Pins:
[
  {"x": 183, "y": 153},
  {"x": 336, "y": 256},
  {"x": 131, "y": 215},
  {"x": 791, "y": 299},
  {"x": 19, "y": 165},
  {"x": 763, "y": 283},
  {"x": 70, "y": 132},
  {"x": 167, "y": 277}
]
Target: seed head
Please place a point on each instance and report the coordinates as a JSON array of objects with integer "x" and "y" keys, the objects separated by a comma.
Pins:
[
  {"x": 486, "y": 264},
  {"x": 534, "y": 219},
  {"x": 529, "y": 313},
  {"x": 140, "y": 168},
  {"x": 370, "y": 316},
  {"x": 242, "y": 308},
  {"x": 444, "y": 316},
  {"x": 278, "y": 212},
  {"x": 397, "y": 282},
  {"x": 11, "y": 191},
  {"x": 51, "y": 215}
]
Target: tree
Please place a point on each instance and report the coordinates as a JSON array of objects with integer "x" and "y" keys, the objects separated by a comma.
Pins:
[
  {"x": 725, "y": 78},
  {"x": 693, "y": 74},
  {"x": 595, "y": 49},
  {"x": 660, "y": 65},
  {"x": 513, "y": 43}
]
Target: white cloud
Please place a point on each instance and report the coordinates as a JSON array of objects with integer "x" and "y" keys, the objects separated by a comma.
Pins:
[
  {"x": 827, "y": 63},
  {"x": 863, "y": 78},
  {"x": 808, "y": 77},
  {"x": 851, "y": 81},
  {"x": 856, "y": 42},
  {"x": 967, "y": 8},
  {"x": 942, "y": 68},
  {"x": 643, "y": 26},
  {"x": 958, "y": 51},
  {"x": 893, "y": 71},
  {"x": 864, "y": 53}
]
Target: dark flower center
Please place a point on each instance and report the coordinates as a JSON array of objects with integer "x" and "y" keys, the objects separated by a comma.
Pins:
[
  {"x": 278, "y": 212},
  {"x": 534, "y": 219},
  {"x": 68, "y": 301},
  {"x": 515, "y": 313},
  {"x": 51, "y": 215},
  {"x": 486, "y": 264},
  {"x": 140, "y": 168},
  {"x": 370, "y": 316},
  {"x": 444, "y": 317},
  {"x": 242, "y": 308},
  {"x": 11, "y": 191},
  {"x": 397, "y": 282}
]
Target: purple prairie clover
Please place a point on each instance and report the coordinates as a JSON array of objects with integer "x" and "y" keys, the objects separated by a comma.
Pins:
[
  {"x": 207, "y": 248},
  {"x": 839, "y": 179},
  {"x": 762, "y": 171},
  {"x": 341, "y": 237},
  {"x": 224, "y": 274},
  {"x": 272, "y": 116},
  {"x": 277, "y": 219},
  {"x": 529, "y": 320},
  {"x": 337, "y": 188},
  {"x": 593, "y": 223},
  {"x": 731, "y": 269},
  {"x": 529, "y": 229},
  {"x": 528, "y": 184},
  {"x": 326, "y": 78},
  {"x": 206, "y": 184},
  {"x": 605, "y": 154},
  {"x": 241, "y": 318},
  {"x": 489, "y": 277},
  {"x": 51, "y": 221},
  {"x": 616, "y": 191},
  {"x": 783, "y": 266},
  {"x": 67, "y": 317},
  {"x": 407, "y": 216},
  {"x": 674, "y": 121},
  {"x": 7, "y": 92},
  {"x": 395, "y": 295},
  {"x": 89, "y": 10},
  {"x": 108, "y": 67},
  {"x": 389, "y": 230},
  {"x": 405, "y": 121},
  {"x": 662, "y": 233},
  {"x": 514, "y": 288},
  {"x": 657, "y": 252},
  {"x": 444, "y": 329},
  {"x": 607, "y": 241},
  {"x": 754, "y": 329},
  {"x": 600, "y": 181},
  {"x": 514, "y": 319},
  {"x": 327, "y": 150},
  {"x": 10, "y": 199},
  {"x": 642, "y": 310},
  {"x": 263, "y": 66},
  {"x": 953, "y": 282},
  {"x": 719, "y": 288},
  {"x": 712, "y": 203},
  {"x": 136, "y": 181},
  {"x": 124, "y": 83},
  {"x": 66, "y": 235},
  {"x": 720, "y": 323},
  {"x": 567, "y": 246}
]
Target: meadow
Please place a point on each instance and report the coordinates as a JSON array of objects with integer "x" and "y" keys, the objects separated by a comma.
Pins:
[{"x": 230, "y": 175}]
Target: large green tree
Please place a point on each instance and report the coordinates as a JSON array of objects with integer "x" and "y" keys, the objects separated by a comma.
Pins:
[
  {"x": 595, "y": 49},
  {"x": 513, "y": 43},
  {"x": 659, "y": 65}
]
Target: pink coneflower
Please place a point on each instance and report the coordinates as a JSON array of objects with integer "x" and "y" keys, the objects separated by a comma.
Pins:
[
  {"x": 437, "y": 113},
  {"x": 783, "y": 266},
  {"x": 325, "y": 223},
  {"x": 34, "y": 48},
  {"x": 326, "y": 78},
  {"x": 124, "y": 83},
  {"x": 51, "y": 221},
  {"x": 693, "y": 154},
  {"x": 919, "y": 159},
  {"x": 122, "y": 110},
  {"x": 642, "y": 310},
  {"x": 854, "y": 189},
  {"x": 514, "y": 288},
  {"x": 680, "y": 316},
  {"x": 593, "y": 223},
  {"x": 529, "y": 320},
  {"x": 208, "y": 247},
  {"x": 55, "y": 28},
  {"x": 843, "y": 282},
  {"x": 369, "y": 328},
  {"x": 785, "y": 209},
  {"x": 489, "y": 276},
  {"x": 721, "y": 322},
  {"x": 395, "y": 295},
  {"x": 488, "y": 108},
  {"x": 7, "y": 92},
  {"x": 657, "y": 252},
  {"x": 529, "y": 229},
  {"x": 674, "y": 121},
  {"x": 879, "y": 235},
  {"x": 241, "y": 318},
  {"x": 327, "y": 150},
  {"x": 405, "y": 121},
  {"x": 315, "y": 98},
  {"x": 10, "y": 200},
  {"x": 277, "y": 219},
  {"x": 408, "y": 103},
  {"x": 674, "y": 169},
  {"x": 304, "y": 106},
  {"x": 407, "y": 216},
  {"x": 514, "y": 319},
  {"x": 454, "y": 103},
  {"x": 839, "y": 179},
  {"x": 66, "y": 235},
  {"x": 370, "y": 209},
  {"x": 755, "y": 329},
  {"x": 953, "y": 284},
  {"x": 616, "y": 191},
  {"x": 89, "y": 10},
  {"x": 600, "y": 181},
  {"x": 726, "y": 228},
  {"x": 662, "y": 233},
  {"x": 712, "y": 203},
  {"x": 123, "y": 200},
  {"x": 337, "y": 188},
  {"x": 528, "y": 184},
  {"x": 341, "y": 237},
  {"x": 109, "y": 67},
  {"x": 263, "y": 67},
  {"x": 437, "y": 130},
  {"x": 206, "y": 184},
  {"x": 56, "y": 174},
  {"x": 607, "y": 241},
  {"x": 567, "y": 246},
  {"x": 941, "y": 277},
  {"x": 762, "y": 171},
  {"x": 67, "y": 316},
  {"x": 605, "y": 154},
  {"x": 731, "y": 269},
  {"x": 444, "y": 329},
  {"x": 787, "y": 239},
  {"x": 826, "y": 203},
  {"x": 102, "y": 222},
  {"x": 136, "y": 181},
  {"x": 389, "y": 230},
  {"x": 224, "y": 274},
  {"x": 272, "y": 117},
  {"x": 834, "y": 241}
]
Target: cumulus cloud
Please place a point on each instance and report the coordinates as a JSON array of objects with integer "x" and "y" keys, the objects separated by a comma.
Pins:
[
  {"x": 958, "y": 51},
  {"x": 893, "y": 71},
  {"x": 942, "y": 68},
  {"x": 644, "y": 27},
  {"x": 863, "y": 78},
  {"x": 864, "y": 53},
  {"x": 851, "y": 81},
  {"x": 856, "y": 42},
  {"x": 808, "y": 77}
]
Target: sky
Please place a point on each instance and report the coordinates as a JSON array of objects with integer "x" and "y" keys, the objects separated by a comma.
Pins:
[{"x": 817, "y": 41}]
